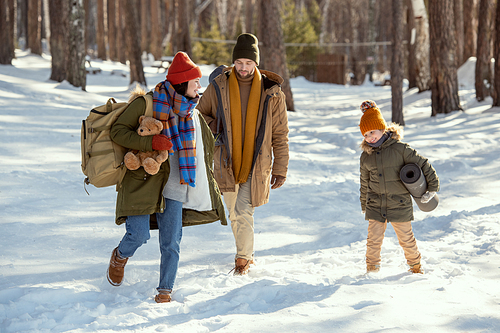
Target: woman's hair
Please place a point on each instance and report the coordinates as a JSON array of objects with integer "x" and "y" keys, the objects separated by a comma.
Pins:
[{"x": 181, "y": 88}]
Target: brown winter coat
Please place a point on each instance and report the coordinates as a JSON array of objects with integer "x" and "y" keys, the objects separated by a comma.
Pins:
[
  {"x": 271, "y": 137},
  {"x": 382, "y": 194},
  {"x": 140, "y": 193}
]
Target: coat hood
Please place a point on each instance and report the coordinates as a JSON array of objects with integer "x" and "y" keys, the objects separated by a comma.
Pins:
[{"x": 397, "y": 134}]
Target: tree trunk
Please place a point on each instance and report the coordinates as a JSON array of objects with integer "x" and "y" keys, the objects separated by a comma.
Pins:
[
  {"x": 483, "y": 65},
  {"x": 132, "y": 43},
  {"x": 182, "y": 35},
  {"x": 6, "y": 32},
  {"x": 101, "y": 41},
  {"x": 444, "y": 81},
  {"x": 273, "y": 46},
  {"x": 76, "y": 74},
  {"x": 496, "y": 93},
  {"x": 249, "y": 11},
  {"x": 156, "y": 36},
  {"x": 397, "y": 64},
  {"x": 120, "y": 29},
  {"x": 34, "y": 39},
  {"x": 113, "y": 52},
  {"x": 470, "y": 23},
  {"x": 458, "y": 11},
  {"x": 422, "y": 63},
  {"x": 410, "y": 37},
  {"x": 59, "y": 11}
]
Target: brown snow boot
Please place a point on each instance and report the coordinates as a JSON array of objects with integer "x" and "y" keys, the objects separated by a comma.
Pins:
[
  {"x": 116, "y": 268},
  {"x": 241, "y": 266},
  {"x": 417, "y": 268},
  {"x": 164, "y": 296},
  {"x": 372, "y": 268}
]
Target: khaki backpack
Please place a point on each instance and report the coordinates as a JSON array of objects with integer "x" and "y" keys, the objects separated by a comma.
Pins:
[{"x": 102, "y": 159}]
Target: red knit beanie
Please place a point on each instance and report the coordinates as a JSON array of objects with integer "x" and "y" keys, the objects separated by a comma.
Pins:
[{"x": 182, "y": 69}]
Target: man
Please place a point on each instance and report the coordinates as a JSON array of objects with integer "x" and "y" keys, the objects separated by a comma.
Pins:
[{"x": 246, "y": 110}]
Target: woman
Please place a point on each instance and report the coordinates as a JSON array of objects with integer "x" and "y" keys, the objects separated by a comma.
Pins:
[{"x": 183, "y": 192}]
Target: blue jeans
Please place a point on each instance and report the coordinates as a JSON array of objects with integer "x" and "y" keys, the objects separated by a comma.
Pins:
[{"x": 170, "y": 235}]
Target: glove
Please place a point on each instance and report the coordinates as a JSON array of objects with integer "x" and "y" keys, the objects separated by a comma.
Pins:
[
  {"x": 427, "y": 196},
  {"x": 161, "y": 142}
]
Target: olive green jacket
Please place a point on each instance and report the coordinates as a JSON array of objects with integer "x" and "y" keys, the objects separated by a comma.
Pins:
[
  {"x": 140, "y": 193},
  {"x": 383, "y": 195}
]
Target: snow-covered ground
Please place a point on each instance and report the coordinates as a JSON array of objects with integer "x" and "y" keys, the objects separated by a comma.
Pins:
[{"x": 55, "y": 240}]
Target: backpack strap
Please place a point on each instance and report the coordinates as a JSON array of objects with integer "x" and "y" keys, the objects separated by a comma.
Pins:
[{"x": 149, "y": 105}]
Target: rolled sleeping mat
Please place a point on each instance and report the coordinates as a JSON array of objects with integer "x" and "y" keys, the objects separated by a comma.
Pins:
[{"x": 413, "y": 178}]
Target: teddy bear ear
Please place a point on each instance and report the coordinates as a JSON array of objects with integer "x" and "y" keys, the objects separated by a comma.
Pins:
[
  {"x": 159, "y": 124},
  {"x": 141, "y": 118}
]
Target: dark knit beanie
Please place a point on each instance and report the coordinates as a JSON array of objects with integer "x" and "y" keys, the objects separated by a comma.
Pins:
[
  {"x": 247, "y": 46},
  {"x": 182, "y": 69}
]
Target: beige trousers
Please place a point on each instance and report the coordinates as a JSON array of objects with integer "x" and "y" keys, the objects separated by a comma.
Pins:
[
  {"x": 404, "y": 232},
  {"x": 239, "y": 205}
]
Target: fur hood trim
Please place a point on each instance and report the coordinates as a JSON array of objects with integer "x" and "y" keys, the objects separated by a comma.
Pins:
[
  {"x": 136, "y": 92},
  {"x": 397, "y": 134}
]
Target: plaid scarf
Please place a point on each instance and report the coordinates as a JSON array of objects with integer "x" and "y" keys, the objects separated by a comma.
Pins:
[{"x": 166, "y": 102}]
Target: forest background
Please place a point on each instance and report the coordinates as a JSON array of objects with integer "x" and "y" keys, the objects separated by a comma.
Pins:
[{"x": 336, "y": 41}]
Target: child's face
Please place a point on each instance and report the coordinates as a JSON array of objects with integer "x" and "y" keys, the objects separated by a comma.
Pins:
[{"x": 373, "y": 136}]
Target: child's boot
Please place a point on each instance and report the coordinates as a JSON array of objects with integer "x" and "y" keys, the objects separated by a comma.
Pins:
[
  {"x": 372, "y": 268},
  {"x": 417, "y": 268}
]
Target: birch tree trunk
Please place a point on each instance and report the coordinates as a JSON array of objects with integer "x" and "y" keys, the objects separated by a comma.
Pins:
[
  {"x": 444, "y": 81},
  {"x": 422, "y": 44},
  {"x": 273, "y": 55},
  {"x": 397, "y": 64},
  {"x": 76, "y": 74}
]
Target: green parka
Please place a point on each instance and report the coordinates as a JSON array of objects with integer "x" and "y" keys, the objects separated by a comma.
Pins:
[
  {"x": 382, "y": 193},
  {"x": 140, "y": 193}
]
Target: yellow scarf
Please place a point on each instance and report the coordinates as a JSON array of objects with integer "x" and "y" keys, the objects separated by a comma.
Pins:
[{"x": 243, "y": 152}]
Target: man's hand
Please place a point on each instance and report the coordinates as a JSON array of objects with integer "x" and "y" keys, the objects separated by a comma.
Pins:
[{"x": 277, "y": 181}]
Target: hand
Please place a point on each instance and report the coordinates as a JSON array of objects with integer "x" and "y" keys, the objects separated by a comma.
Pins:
[
  {"x": 277, "y": 181},
  {"x": 161, "y": 142},
  {"x": 427, "y": 196},
  {"x": 363, "y": 211}
]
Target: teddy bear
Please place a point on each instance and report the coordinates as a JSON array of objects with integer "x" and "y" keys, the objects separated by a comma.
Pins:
[{"x": 150, "y": 160}]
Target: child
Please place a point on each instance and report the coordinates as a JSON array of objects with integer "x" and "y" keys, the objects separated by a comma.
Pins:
[{"x": 384, "y": 197}]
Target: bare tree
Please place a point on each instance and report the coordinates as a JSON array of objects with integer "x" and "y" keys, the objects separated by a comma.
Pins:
[
  {"x": 156, "y": 36},
  {"x": 132, "y": 43},
  {"x": 397, "y": 64},
  {"x": 34, "y": 39},
  {"x": 7, "y": 31},
  {"x": 422, "y": 43},
  {"x": 470, "y": 28},
  {"x": 483, "y": 66},
  {"x": 182, "y": 34},
  {"x": 113, "y": 51},
  {"x": 120, "y": 31},
  {"x": 444, "y": 81},
  {"x": 273, "y": 46},
  {"x": 76, "y": 74},
  {"x": 458, "y": 11},
  {"x": 410, "y": 37},
  {"x": 59, "y": 20},
  {"x": 101, "y": 41},
  {"x": 496, "y": 94}
]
